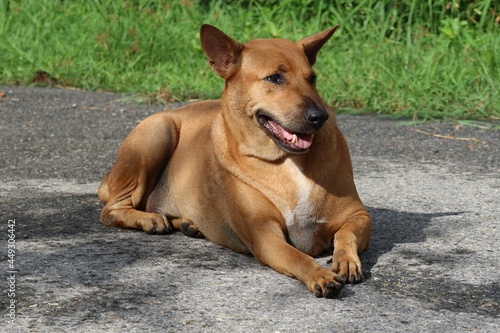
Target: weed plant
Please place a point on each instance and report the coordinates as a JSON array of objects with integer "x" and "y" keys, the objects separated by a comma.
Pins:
[{"x": 420, "y": 59}]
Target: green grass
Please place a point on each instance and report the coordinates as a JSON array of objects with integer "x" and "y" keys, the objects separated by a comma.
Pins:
[{"x": 419, "y": 59}]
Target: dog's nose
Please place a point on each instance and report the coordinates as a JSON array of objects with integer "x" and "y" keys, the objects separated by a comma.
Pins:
[{"x": 316, "y": 117}]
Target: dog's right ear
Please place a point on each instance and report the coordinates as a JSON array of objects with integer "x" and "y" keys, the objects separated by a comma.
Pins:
[{"x": 222, "y": 51}]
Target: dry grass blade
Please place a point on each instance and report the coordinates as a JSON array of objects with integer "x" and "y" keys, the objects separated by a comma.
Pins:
[{"x": 474, "y": 141}]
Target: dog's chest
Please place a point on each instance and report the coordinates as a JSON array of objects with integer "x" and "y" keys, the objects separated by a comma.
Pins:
[{"x": 301, "y": 217}]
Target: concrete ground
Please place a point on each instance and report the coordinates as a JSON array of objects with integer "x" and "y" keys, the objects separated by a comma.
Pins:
[{"x": 434, "y": 264}]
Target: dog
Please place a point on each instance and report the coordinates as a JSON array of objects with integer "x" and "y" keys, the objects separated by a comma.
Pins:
[{"x": 263, "y": 170}]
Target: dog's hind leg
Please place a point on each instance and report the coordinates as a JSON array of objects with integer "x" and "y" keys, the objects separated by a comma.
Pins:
[
  {"x": 141, "y": 160},
  {"x": 187, "y": 227}
]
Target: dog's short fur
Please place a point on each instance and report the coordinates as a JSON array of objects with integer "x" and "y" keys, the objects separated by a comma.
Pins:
[{"x": 263, "y": 170}]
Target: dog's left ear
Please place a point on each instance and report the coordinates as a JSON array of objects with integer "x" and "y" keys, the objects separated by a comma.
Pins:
[
  {"x": 222, "y": 51},
  {"x": 314, "y": 43}
]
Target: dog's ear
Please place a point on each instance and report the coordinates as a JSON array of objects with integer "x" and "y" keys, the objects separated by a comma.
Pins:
[
  {"x": 222, "y": 51},
  {"x": 314, "y": 43}
]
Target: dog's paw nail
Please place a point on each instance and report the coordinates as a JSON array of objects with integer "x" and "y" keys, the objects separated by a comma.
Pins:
[
  {"x": 317, "y": 291},
  {"x": 340, "y": 280},
  {"x": 356, "y": 279},
  {"x": 199, "y": 234}
]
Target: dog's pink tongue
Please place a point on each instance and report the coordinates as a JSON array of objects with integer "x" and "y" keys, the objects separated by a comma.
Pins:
[{"x": 301, "y": 141}]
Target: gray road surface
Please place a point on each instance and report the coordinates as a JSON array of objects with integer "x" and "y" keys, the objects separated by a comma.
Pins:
[{"x": 433, "y": 266}]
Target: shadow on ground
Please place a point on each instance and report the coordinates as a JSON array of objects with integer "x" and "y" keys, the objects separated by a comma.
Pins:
[
  {"x": 415, "y": 273},
  {"x": 391, "y": 227}
]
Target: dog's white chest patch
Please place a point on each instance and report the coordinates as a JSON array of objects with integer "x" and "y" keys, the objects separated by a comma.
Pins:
[{"x": 300, "y": 219}]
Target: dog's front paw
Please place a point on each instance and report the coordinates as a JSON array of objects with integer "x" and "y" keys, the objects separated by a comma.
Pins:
[
  {"x": 347, "y": 266},
  {"x": 155, "y": 224},
  {"x": 327, "y": 284}
]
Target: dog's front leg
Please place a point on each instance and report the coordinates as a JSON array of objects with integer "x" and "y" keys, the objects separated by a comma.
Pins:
[
  {"x": 271, "y": 249},
  {"x": 352, "y": 238}
]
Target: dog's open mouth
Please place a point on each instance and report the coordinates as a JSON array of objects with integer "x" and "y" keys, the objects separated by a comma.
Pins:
[{"x": 287, "y": 140}]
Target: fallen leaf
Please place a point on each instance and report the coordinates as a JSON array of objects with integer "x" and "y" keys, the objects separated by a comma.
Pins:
[{"x": 44, "y": 77}]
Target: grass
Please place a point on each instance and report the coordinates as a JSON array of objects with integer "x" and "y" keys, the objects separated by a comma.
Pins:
[{"x": 419, "y": 59}]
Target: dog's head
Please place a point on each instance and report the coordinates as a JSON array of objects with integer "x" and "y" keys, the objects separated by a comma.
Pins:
[{"x": 270, "y": 88}]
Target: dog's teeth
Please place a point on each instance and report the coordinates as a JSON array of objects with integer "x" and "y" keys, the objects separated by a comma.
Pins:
[{"x": 294, "y": 139}]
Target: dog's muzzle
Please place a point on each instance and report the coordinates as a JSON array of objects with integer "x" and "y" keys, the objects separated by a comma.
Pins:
[
  {"x": 294, "y": 141},
  {"x": 316, "y": 117}
]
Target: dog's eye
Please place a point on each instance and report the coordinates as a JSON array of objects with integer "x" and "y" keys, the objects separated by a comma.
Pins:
[
  {"x": 275, "y": 78},
  {"x": 312, "y": 79}
]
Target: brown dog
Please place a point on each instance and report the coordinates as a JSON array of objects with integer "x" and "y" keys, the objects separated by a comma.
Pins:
[{"x": 262, "y": 170}]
